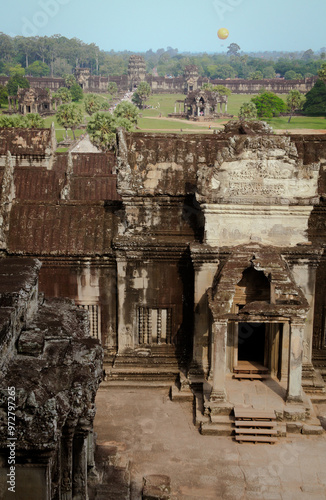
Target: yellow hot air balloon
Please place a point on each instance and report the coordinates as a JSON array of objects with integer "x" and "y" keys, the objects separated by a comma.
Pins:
[{"x": 223, "y": 33}]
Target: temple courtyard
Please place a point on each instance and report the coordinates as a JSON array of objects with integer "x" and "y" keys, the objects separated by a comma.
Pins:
[{"x": 143, "y": 432}]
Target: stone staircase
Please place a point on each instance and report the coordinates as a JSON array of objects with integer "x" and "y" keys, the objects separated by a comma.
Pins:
[
  {"x": 292, "y": 419},
  {"x": 155, "y": 365}
]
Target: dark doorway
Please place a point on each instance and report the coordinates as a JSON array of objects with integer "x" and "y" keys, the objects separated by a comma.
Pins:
[{"x": 251, "y": 342}]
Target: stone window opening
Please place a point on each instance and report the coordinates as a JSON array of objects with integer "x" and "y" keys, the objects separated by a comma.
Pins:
[
  {"x": 94, "y": 315},
  {"x": 154, "y": 325}
]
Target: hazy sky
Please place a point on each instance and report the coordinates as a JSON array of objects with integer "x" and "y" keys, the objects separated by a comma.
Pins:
[{"x": 189, "y": 25}]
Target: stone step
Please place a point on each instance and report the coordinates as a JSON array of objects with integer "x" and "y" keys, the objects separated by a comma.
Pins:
[
  {"x": 255, "y": 431},
  {"x": 142, "y": 374},
  {"x": 256, "y": 439},
  {"x": 318, "y": 399},
  {"x": 312, "y": 429},
  {"x": 250, "y": 376},
  {"x": 181, "y": 395}
]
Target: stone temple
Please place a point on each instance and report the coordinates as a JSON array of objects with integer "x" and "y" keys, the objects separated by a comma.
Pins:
[{"x": 193, "y": 255}]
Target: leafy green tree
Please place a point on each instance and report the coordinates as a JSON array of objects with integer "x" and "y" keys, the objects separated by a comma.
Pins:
[
  {"x": 13, "y": 70},
  {"x": 63, "y": 95},
  {"x": 322, "y": 72},
  {"x": 92, "y": 103},
  {"x": 113, "y": 88},
  {"x": 268, "y": 105},
  {"x": 102, "y": 128},
  {"x": 38, "y": 68},
  {"x": 308, "y": 54},
  {"x": 233, "y": 49},
  {"x": 33, "y": 120},
  {"x": 127, "y": 110},
  {"x": 105, "y": 106},
  {"x": 15, "y": 82},
  {"x": 292, "y": 75},
  {"x": 70, "y": 80},
  {"x": 69, "y": 116},
  {"x": 3, "y": 95},
  {"x": 315, "y": 104},
  {"x": 141, "y": 95},
  {"x": 256, "y": 75},
  {"x": 12, "y": 121},
  {"x": 269, "y": 72},
  {"x": 294, "y": 101},
  {"x": 61, "y": 67},
  {"x": 248, "y": 111},
  {"x": 76, "y": 92}
]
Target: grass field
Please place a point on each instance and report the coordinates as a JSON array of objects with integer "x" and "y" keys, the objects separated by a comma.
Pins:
[{"x": 298, "y": 122}]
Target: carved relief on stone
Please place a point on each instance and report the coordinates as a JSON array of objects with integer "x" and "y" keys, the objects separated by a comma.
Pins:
[{"x": 257, "y": 168}]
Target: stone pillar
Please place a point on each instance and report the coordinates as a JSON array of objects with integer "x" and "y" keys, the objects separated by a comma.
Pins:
[
  {"x": 285, "y": 352},
  {"x": 218, "y": 366},
  {"x": 204, "y": 275},
  {"x": 305, "y": 277},
  {"x": 294, "y": 390},
  {"x": 66, "y": 463},
  {"x": 80, "y": 466},
  {"x": 121, "y": 282},
  {"x": 226, "y": 107},
  {"x": 175, "y": 107}
]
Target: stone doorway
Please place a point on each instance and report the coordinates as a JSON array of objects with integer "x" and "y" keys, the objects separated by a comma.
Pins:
[{"x": 251, "y": 342}]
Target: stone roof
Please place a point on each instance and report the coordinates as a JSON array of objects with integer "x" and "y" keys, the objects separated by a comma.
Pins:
[
  {"x": 25, "y": 142},
  {"x": 287, "y": 299},
  {"x": 34, "y": 94}
]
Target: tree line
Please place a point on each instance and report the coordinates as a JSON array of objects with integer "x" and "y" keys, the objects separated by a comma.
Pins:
[{"x": 57, "y": 56}]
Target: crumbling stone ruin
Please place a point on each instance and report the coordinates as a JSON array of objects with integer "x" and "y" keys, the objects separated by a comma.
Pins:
[
  {"x": 204, "y": 105},
  {"x": 50, "y": 371},
  {"x": 34, "y": 100},
  {"x": 175, "y": 243}
]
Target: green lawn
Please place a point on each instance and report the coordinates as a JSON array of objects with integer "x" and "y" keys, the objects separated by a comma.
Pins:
[
  {"x": 309, "y": 122},
  {"x": 161, "y": 123}
]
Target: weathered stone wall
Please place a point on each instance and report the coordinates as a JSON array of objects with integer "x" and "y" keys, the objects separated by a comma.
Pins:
[
  {"x": 53, "y": 369},
  {"x": 96, "y": 220}
]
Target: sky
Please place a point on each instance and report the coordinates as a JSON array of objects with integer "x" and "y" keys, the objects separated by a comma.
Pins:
[{"x": 189, "y": 25}]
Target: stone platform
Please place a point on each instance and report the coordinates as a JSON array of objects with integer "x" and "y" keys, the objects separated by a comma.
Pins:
[{"x": 266, "y": 395}]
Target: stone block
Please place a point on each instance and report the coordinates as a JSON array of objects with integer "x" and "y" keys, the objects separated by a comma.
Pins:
[
  {"x": 294, "y": 413},
  {"x": 312, "y": 429},
  {"x": 294, "y": 427},
  {"x": 156, "y": 487}
]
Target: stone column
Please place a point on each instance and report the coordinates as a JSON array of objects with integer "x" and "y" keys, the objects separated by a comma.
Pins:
[
  {"x": 175, "y": 107},
  {"x": 66, "y": 463},
  {"x": 204, "y": 275},
  {"x": 226, "y": 107},
  {"x": 80, "y": 466},
  {"x": 285, "y": 352},
  {"x": 218, "y": 367},
  {"x": 294, "y": 390},
  {"x": 121, "y": 282}
]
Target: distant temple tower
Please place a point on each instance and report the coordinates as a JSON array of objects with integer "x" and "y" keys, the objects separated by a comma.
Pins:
[
  {"x": 136, "y": 71},
  {"x": 82, "y": 76},
  {"x": 191, "y": 78}
]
